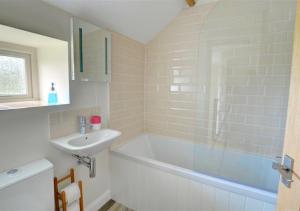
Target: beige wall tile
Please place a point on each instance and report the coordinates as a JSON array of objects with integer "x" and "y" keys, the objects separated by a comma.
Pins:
[
  {"x": 242, "y": 51},
  {"x": 127, "y": 87},
  {"x": 64, "y": 123}
]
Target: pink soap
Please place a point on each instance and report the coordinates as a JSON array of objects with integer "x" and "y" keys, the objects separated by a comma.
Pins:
[{"x": 95, "y": 119}]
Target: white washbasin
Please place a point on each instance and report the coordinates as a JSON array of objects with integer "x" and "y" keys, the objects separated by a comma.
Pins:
[{"x": 86, "y": 144}]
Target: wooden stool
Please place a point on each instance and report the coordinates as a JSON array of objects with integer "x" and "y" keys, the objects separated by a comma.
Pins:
[{"x": 62, "y": 196}]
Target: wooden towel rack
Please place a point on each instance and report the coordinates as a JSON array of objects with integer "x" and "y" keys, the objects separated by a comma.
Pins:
[{"x": 62, "y": 196}]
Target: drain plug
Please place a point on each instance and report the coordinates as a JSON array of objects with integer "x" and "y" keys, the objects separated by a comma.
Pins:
[{"x": 12, "y": 171}]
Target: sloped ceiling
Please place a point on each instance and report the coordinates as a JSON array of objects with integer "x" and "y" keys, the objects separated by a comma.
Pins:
[{"x": 140, "y": 20}]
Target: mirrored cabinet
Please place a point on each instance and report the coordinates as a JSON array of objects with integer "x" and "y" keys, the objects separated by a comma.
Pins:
[
  {"x": 92, "y": 52},
  {"x": 34, "y": 70}
]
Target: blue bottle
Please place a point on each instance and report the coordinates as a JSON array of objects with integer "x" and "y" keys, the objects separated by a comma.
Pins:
[{"x": 52, "y": 96}]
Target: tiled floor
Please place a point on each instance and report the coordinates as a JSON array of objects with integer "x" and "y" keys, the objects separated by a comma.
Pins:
[{"x": 114, "y": 206}]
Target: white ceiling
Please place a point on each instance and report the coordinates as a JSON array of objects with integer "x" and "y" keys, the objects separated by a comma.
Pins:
[{"x": 140, "y": 20}]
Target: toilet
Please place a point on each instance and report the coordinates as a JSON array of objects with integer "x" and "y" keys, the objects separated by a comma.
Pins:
[{"x": 27, "y": 188}]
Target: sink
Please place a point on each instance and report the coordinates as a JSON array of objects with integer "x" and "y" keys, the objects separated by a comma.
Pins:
[{"x": 86, "y": 144}]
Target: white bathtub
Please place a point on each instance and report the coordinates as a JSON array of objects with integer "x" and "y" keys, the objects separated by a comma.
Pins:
[{"x": 154, "y": 172}]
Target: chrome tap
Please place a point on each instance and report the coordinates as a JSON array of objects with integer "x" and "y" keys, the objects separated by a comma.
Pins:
[{"x": 82, "y": 125}]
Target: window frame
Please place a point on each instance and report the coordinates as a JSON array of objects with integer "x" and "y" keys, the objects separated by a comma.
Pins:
[{"x": 30, "y": 56}]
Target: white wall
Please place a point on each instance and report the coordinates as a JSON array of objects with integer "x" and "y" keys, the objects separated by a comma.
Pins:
[{"x": 24, "y": 133}]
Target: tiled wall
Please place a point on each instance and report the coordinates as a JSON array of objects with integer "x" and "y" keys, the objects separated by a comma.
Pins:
[
  {"x": 170, "y": 72},
  {"x": 219, "y": 74},
  {"x": 64, "y": 123},
  {"x": 127, "y": 86}
]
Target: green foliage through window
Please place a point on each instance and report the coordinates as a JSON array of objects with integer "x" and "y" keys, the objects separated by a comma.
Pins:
[{"x": 13, "y": 80}]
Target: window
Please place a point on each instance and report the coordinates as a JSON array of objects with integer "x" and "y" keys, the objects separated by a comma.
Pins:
[{"x": 16, "y": 75}]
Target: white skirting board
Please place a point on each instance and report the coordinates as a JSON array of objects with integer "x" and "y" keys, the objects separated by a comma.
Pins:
[{"x": 99, "y": 202}]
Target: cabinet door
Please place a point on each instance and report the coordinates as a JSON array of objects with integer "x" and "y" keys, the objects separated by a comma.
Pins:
[{"x": 92, "y": 52}]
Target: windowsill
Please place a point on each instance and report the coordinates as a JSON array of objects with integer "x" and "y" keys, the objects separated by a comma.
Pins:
[{"x": 25, "y": 104}]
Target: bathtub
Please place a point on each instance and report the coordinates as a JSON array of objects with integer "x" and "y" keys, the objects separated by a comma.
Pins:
[{"x": 153, "y": 172}]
